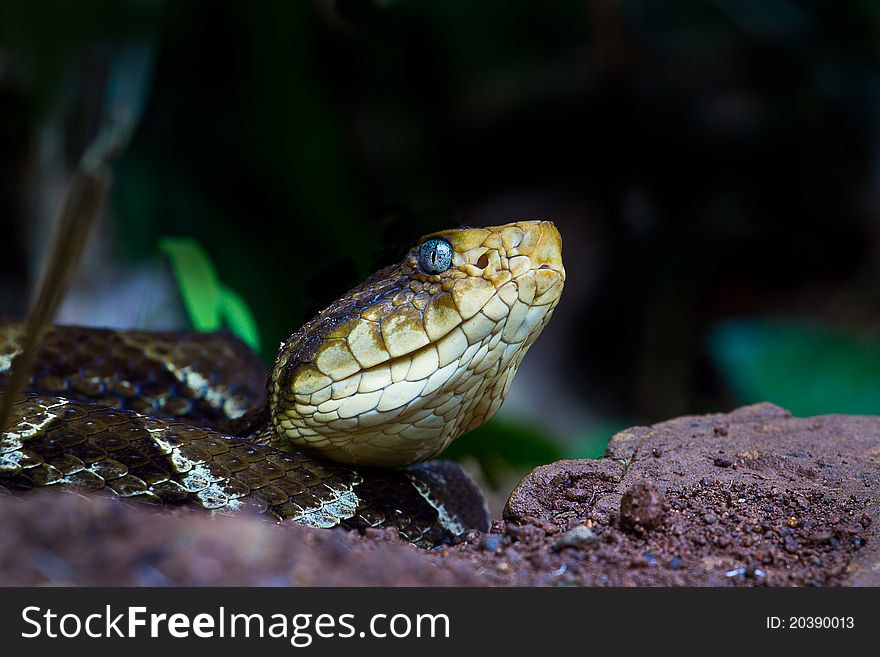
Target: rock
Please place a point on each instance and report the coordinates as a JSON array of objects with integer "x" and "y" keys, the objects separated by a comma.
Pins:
[
  {"x": 642, "y": 506},
  {"x": 577, "y": 536},
  {"x": 493, "y": 542},
  {"x": 570, "y": 488}
]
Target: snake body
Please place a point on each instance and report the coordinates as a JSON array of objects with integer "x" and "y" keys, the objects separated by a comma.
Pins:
[{"x": 385, "y": 377}]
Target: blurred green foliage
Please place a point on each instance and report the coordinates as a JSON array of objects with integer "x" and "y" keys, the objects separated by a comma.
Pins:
[
  {"x": 591, "y": 444},
  {"x": 501, "y": 447},
  {"x": 806, "y": 369},
  {"x": 504, "y": 446},
  {"x": 210, "y": 305}
]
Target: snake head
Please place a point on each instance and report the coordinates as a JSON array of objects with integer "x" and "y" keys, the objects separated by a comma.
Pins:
[{"x": 421, "y": 352}]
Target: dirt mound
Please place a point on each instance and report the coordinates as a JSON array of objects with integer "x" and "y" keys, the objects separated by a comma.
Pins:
[{"x": 755, "y": 497}]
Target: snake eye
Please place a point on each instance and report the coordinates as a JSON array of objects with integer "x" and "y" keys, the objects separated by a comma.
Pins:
[{"x": 435, "y": 256}]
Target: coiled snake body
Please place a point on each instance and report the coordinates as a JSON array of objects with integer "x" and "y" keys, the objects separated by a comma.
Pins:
[{"x": 385, "y": 377}]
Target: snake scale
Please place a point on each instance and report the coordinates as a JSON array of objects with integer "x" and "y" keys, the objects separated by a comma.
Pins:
[{"x": 358, "y": 399}]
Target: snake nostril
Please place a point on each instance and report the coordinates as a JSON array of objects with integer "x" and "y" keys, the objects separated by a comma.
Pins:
[{"x": 483, "y": 261}]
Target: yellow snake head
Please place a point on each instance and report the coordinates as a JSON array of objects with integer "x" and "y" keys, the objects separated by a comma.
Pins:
[{"x": 421, "y": 352}]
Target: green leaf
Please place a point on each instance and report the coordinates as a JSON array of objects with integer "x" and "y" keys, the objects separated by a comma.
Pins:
[
  {"x": 238, "y": 317},
  {"x": 209, "y": 304},
  {"x": 196, "y": 279},
  {"x": 807, "y": 369}
]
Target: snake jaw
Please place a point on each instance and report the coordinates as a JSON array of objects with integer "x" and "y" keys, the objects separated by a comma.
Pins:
[{"x": 407, "y": 362}]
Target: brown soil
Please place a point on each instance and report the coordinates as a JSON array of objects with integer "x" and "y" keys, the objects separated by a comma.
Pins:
[{"x": 755, "y": 497}]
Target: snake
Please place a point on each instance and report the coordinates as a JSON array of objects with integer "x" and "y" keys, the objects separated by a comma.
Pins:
[{"x": 340, "y": 433}]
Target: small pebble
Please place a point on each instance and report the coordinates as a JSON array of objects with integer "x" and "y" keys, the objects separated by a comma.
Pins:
[
  {"x": 642, "y": 506},
  {"x": 492, "y": 543},
  {"x": 578, "y": 536},
  {"x": 722, "y": 461}
]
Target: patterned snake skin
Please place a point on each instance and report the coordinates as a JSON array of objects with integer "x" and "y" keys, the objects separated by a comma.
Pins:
[{"x": 386, "y": 377}]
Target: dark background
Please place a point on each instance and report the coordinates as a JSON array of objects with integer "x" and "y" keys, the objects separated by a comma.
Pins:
[{"x": 713, "y": 166}]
